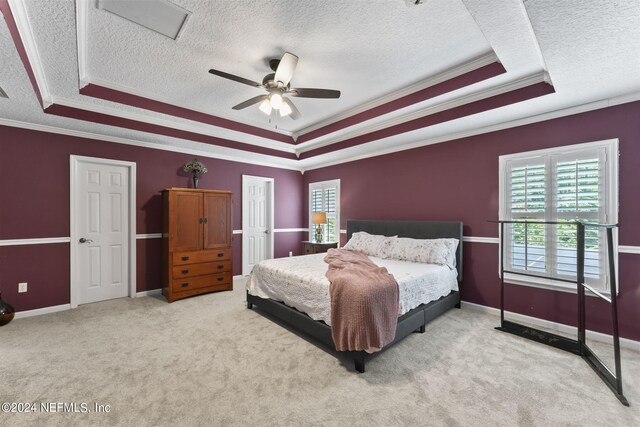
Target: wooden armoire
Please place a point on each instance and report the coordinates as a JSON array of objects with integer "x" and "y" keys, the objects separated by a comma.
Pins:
[{"x": 196, "y": 242}]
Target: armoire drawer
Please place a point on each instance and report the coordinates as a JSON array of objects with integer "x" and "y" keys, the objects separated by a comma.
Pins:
[
  {"x": 201, "y": 282},
  {"x": 192, "y": 257},
  {"x": 191, "y": 270}
]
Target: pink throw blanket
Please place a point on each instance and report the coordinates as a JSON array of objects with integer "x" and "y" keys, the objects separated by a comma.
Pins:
[{"x": 364, "y": 302}]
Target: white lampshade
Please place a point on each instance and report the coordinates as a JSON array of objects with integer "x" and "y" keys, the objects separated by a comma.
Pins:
[
  {"x": 319, "y": 218},
  {"x": 285, "y": 110},
  {"x": 265, "y": 107},
  {"x": 276, "y": 101}
]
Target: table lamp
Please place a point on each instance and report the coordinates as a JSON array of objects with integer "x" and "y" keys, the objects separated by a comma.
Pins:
[{"x": 318, "y": 218}]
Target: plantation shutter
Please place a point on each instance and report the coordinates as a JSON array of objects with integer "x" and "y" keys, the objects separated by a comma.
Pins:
[
  {"x": 528, "y": 202},
  {"x": 579, "y": 185},
  {"x": 563, "y": 187},
  {"x": 325, "y": 197}
]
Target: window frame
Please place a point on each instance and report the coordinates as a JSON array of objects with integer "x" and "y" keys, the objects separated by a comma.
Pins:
[
  {"x": 322, "y": 185},
  {"x": 551, "y": 157}
]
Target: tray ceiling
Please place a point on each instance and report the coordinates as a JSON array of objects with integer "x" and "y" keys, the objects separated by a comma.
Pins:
[{"x": 409, "y": 75}]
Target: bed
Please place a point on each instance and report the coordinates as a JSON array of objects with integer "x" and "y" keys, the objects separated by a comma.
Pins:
[{"x": 310, "y": 315}]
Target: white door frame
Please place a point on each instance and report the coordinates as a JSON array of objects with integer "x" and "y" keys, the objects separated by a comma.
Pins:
[
  {"x": 74, "y": 161},
  {"x": 270, "y": 183}
]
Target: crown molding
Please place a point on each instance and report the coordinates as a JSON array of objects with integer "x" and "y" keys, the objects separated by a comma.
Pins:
[
  {"x": 21, "y": 20},
  {"x": 456, "y": 71},
  {"x": 183, "y": 124},
  {"x": 222, "y": 153},
  {"x": 378, "y": 125},
  {"x": 88, "y": 80},
  {"x": 82, "y": 17},
  {"x": 368, "y": 150}
]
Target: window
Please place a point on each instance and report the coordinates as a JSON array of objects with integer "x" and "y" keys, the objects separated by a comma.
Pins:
[
  {"x": 564, "y": 184},
  {"x": 325, "y": 197}
]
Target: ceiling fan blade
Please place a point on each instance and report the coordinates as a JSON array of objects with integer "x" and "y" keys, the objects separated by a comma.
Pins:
[
  {"x": 286, "y": 68},
  {"x": 250, "y": 102},
  {"x": 314, "y": 93},
  {"x": 295, "y": 113},
  {"x": 235, "y": 78}
]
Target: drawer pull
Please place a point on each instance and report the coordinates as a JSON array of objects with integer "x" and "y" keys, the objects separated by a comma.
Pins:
[
  {"x": 220, "y": 279},
  {"x": 184, "y": 285},
  {"x": 185, "y": 271},
  {"x": 185, "y": 258},
  {"x": 220, "y": 255},
  {"x": 220, "y": 266}
]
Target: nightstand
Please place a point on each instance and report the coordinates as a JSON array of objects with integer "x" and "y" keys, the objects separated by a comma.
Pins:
[{"x": 317, "y": 248}]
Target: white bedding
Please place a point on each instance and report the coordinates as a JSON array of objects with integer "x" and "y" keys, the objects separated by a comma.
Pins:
[{"x": 300, "y": 282}]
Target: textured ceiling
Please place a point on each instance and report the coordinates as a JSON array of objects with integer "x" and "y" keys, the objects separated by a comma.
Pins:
[{"x": 366, "y": 49}]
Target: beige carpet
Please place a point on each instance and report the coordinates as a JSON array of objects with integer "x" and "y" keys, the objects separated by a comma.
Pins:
[{"x": 210, "y": 361}]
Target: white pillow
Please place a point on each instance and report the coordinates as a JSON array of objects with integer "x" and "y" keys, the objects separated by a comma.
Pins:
[
  {"x": 370, "y": 244},
  {"x": 428, "y": 251}
]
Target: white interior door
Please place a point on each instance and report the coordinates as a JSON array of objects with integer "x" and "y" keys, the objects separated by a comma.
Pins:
[
  {"x": 101, "y": 231},
  {"x": 257, "y": 221}
]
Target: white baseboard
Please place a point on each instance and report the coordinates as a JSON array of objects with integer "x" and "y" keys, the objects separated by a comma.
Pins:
[
  {"x": 45, "y": 310},
  {"x": 238, "y": 277},
  {"x": 148, "y": 293},
  {"x": 560, "y": 327}
]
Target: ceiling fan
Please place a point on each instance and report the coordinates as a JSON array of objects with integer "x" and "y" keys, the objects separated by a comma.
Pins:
[{"x": 277, "y": 85}]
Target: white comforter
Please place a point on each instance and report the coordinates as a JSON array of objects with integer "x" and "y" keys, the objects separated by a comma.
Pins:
[{"x": 300, "y": 282}]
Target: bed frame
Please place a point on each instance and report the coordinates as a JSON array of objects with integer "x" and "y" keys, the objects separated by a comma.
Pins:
[{"x": 413, "y": 321}]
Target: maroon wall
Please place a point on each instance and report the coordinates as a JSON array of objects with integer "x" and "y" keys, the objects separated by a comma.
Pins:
[
  {"x": 458, "y": 180},
  {"x": 34, "y": 203}
]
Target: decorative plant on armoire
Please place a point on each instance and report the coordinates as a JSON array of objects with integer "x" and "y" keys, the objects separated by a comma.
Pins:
[{"x": 196, "y": 168}]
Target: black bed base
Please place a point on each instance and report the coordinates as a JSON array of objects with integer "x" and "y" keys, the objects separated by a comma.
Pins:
[{"x": 414, "y": 320}]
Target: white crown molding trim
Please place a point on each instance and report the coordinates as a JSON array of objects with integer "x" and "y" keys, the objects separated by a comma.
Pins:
[
  {"x": 231, "y": 154},
  {"x": 459, "y": 70},
  {"x": 289, "y": 230},
  {"x": 82, "y": 19},
  {"x": 36, "y": 241},
  {"x": 148, "y": 293},
  {"x": 473, "y": 239},
  {"x": 149, "y": 236},
  {"x": 21, "y": 17},
  {"x": 560, "y": 327},
  {"x": 236, "y": 232},
  {"x": 629, "y": 249},
  {"x": 362, "y": 129},
  {"x": 182, "y": 124},
  {"x": 361, "y": 152},
  {"x": 40, "y": 311},
  {"x": 129, "y": 90}
]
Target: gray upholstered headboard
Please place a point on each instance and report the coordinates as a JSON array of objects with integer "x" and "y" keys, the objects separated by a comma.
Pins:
[{"x": 413, "y": 229}]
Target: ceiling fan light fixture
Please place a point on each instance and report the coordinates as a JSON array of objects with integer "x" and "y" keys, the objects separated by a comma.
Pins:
[
  {"x": 265, "y": 107},
  {"x": 276, "y": 101},
  {"x": 285, "y": 110}
]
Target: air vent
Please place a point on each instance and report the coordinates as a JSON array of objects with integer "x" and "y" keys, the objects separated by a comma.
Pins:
[
  {"x": 3, "y": 94},
  {"x": 160, "y": 16}
]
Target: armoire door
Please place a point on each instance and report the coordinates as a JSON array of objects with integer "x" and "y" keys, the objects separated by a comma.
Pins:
[
  {"x": 187, "y": 215},
  {"x": 217, "y": 226}
]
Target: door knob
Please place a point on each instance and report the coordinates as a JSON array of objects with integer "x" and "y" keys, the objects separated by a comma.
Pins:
[
  {"x": 83, "y": 240},
  {"x": 266, "y": 231}
]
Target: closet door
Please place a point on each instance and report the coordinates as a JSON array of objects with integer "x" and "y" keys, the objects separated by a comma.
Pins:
[
  {"x": 217, "y": 220},
  {"x": 186, "y": 221}
]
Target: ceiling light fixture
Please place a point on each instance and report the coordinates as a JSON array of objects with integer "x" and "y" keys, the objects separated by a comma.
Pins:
[
  {"x": 276, "y": 100},
  {"x": 265, "y": 107},
  {"x": 285, "y": 110}
]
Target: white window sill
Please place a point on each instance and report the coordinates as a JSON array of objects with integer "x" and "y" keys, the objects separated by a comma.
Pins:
[{"x": 549, "y": 284}]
